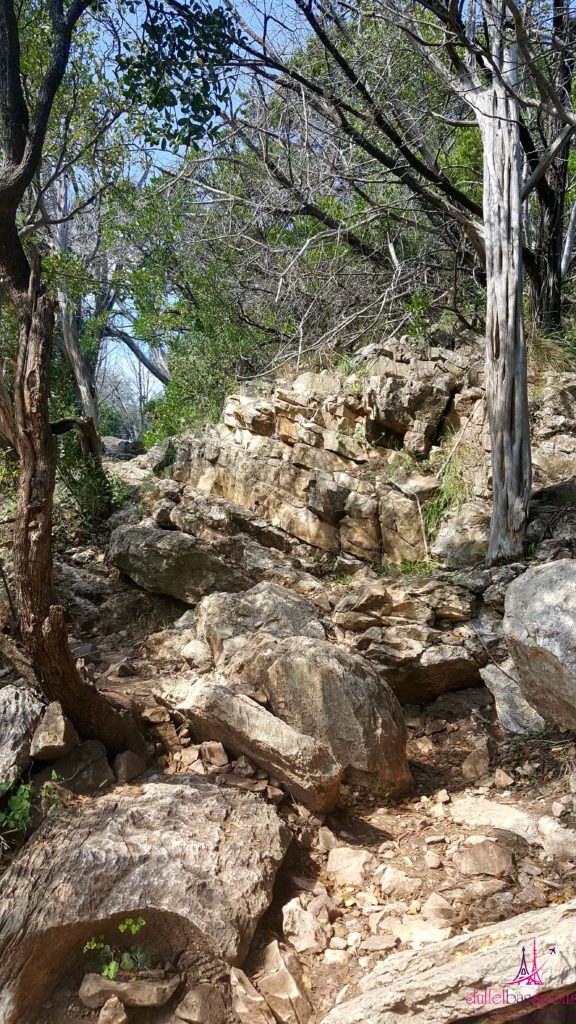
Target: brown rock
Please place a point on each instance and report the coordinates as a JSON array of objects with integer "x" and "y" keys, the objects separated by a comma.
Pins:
[
  {"x": 95, "y": 991},
  {"x": 202, "y": 1005},
  {"x": 112, "y": 1012},
  {"x": 484, "y": 858},
  {"x": 55, "y": 736}
]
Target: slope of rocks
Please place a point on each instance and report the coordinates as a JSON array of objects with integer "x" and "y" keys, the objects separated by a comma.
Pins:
[{"x": 339, "y": 821}]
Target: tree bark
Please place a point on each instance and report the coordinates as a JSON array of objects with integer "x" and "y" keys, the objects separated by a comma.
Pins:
[
  {"x": 83, "y": 377},
  {"x": 41, "y": 619},
  {"x": 506, "y": 364},
  {"x": 546, "y": 272}
]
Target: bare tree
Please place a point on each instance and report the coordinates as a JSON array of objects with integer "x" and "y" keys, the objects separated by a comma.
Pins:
[{"x": 488, "y": 57}]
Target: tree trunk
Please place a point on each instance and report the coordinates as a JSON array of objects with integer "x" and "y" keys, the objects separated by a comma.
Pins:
[
  {"x": 41, "y": 619},
  {"x": 83, "y": 377},
  {"x": 506, "y": 370},
  {"x": 546, "y": 273}
]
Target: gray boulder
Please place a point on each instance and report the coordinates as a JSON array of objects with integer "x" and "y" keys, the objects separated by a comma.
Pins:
[
  {"x": 305, "y": 766},
  {"x": 20, "y": 713},
  {"x": 540, "y": 626},
  {"x": 196, "y": 861},
  {"x": 174, "y": 563},
  {"x": 334, "y": 696}
]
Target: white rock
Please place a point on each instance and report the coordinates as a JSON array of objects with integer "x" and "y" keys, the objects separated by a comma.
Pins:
[
  {"x": 248, "y": 1005},
  {"x": 398, "y": 883},
  {"x": 303, "y": 929},
  {"x": 336, "y": 957},
  {"x": 349, "y": 866}
]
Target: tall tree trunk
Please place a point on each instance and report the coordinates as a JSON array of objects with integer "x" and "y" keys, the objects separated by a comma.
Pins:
[
  {"x": 546, "y": 272},
  {"x": 83, "y": 376},
  {"x": 41, "y": 619},
  {"x": 506, "y": 369}
]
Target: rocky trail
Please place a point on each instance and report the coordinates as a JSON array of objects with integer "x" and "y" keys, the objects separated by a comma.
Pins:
[{"x": 351, "y": 813}]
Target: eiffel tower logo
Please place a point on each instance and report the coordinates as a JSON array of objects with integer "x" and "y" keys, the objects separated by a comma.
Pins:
[{"x": 525, "y": 976}]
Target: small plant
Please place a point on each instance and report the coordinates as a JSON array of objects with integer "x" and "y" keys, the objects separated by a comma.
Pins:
[
  {"x": 15, "y": 819},
  {"x": 425, "y": 567},
  {"x": 418, "y": 307},
  {"x": 343, "y": 577},
  {"x": 452, "y": 493},
  {"x": 113, "y": 960}
]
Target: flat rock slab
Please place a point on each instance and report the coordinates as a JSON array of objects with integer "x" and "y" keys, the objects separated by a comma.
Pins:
[
  {"x": 197, "y": 861},
  {"x": 433, "y": 988},
  {"x": 304, "y": 765},
  {"x": 543, "y": 831}
]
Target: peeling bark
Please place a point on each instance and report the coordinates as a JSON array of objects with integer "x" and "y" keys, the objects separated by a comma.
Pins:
[{"x": 497, "y": 112}]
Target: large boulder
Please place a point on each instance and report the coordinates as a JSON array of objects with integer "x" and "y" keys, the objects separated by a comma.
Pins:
[
  {"x": 266, "y": 608},
  {"x": 539, "y": 626},
  {"x": 20, "y": 712},
  {"x": 196, "y": 861},
  {"x": 334, "y": 696},
  {"x": 453, "y": 981},
  {"x": 305, "y": 766},
  {"x": 169, "y": 562}
]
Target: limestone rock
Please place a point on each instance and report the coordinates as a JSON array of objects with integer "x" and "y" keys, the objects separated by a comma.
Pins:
[
  {"x": 20, "y": 712},
  {"x": 197, "y": 654},
  {"x": 305, "y": 766},
  {"x": 349, "y": 866},
  {"x": 95, "y": 991},
  {"x": 337, "y": 698},
  {"x": 476, "y": 763},
  {"x": 161, "y": 455},
  {"x": 196, "y": 860},
  {"x": 401, "y": 529},
  {"x": 281, "y": 985},
  {"x": 305, "y": 931},
  {"x": 544, "y": 831},
  {"x": 484, "y": 858},
  {"x": 398, "y": 883},
  {"x": 112, "y": 1012},
  {"x": 169, "y": 562},
  {"x": 410, "y": 409},
  {"x": 514, "y": 712},
  {"x": 202, "y": 1005},
  {"x": 248, "y": 1005},
  {"x": 463, "y": 538},
  {"x": 264, "y": 609},
  {"x": 432, "y": 989},
  {"x": 55, "y": 736},
  {"x": 539, "y": 626}
]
